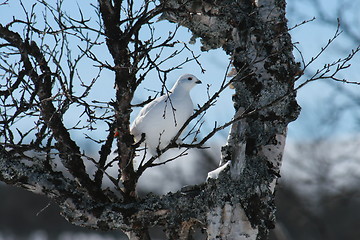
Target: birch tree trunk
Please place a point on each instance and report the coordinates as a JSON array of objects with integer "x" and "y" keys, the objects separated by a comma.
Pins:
[
  {"x": 254, "y": 34},
  {"x": 237, "y": 201}
]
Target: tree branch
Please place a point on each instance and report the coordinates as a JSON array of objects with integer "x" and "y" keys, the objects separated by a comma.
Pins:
[{"x": 69, "y": 151}]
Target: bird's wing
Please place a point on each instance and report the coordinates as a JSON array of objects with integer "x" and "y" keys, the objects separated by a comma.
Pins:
[
  {"x": 154, "y": 108},
  {"x": 151, "y": 105}
]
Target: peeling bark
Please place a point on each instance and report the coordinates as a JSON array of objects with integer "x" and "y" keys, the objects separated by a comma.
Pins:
[{"x": 229, "y": 222}]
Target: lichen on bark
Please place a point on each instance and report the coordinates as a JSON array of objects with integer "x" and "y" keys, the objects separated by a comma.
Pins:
[{"x": 255, "y": 35}]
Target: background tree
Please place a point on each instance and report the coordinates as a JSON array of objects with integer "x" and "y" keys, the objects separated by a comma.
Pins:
[
  {"x": 41, "y": 73},
  {"x": 327, "y": 161}
]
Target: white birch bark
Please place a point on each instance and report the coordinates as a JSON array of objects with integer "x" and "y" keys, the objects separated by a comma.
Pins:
[{"x": 250, "y": 34}]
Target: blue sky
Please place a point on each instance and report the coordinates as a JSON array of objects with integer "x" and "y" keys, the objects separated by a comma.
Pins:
[{"x": 314, "y": 98}]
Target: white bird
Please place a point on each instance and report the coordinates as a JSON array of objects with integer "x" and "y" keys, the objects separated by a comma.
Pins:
[{"x": 162, "y": 118}]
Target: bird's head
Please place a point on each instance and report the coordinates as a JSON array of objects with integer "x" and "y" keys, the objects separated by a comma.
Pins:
[{"x": 187, "y": 81}]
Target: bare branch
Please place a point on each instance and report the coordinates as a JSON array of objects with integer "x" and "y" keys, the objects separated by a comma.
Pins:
[
  {"x": 302, "y": 23},
  {"x": 70, "y": 153}
]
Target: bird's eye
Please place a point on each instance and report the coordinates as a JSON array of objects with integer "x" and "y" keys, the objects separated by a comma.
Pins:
[{"x": 189, "y": 78}]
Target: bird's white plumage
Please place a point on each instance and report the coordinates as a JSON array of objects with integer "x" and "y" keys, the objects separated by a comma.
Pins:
[{"x": 162, "y": 118}]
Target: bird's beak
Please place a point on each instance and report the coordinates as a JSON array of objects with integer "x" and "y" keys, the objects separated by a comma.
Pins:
[{"x": 198, "y": 82}]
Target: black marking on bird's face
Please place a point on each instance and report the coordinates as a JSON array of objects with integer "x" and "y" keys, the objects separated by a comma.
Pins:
[{"x": 188, "y": 81}]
